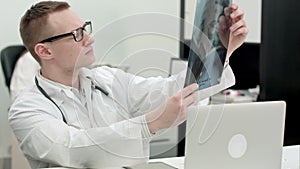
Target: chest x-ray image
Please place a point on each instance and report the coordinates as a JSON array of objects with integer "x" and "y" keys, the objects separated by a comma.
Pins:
[{"x": 208, "y": 46}]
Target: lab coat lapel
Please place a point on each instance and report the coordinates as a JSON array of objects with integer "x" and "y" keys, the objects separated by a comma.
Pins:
[{"x": 87, "y": 97}]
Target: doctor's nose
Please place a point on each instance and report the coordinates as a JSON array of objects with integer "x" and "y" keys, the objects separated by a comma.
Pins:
[{"x": 88, "y": 39}]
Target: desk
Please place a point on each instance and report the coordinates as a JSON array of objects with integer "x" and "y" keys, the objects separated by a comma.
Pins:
[{"x": 290, "y": 159}]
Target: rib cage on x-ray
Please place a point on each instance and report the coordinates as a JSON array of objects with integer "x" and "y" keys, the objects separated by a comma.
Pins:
[{"x": 207, "y": 52}]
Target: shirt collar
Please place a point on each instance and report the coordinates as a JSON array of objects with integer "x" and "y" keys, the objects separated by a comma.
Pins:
[
  {"x": 50, "y": 82},
  {"x": 55, "y": 89}
]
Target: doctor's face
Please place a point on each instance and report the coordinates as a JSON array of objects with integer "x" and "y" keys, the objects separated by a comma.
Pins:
[{"x": 74, "y": 50}]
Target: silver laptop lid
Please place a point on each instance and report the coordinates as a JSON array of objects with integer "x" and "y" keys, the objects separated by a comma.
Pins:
[{"x": 235, "y": 136}]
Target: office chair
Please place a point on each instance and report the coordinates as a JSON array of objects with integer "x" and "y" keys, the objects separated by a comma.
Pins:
[{"x": 9, "y": 57}]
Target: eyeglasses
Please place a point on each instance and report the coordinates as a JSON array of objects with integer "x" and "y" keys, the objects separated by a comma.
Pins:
[{"x": 77, "y": 33}]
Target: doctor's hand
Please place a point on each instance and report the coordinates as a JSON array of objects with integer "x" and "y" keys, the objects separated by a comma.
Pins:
[
  {"x": 232, "y": 29},
  {"x": 173, "y": 111}
]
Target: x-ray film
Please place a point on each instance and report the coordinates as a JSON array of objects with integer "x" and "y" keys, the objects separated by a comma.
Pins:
[{"x": 209, "y": 43}]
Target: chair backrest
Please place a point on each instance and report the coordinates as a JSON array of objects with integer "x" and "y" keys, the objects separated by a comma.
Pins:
[{"x": 9, "y": 57}]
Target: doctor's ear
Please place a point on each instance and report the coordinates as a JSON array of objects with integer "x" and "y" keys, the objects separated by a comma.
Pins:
[{"x": 42, "y": 51}]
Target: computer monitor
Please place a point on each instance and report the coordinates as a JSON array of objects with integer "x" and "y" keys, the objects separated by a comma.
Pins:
[
  {"x": 244, "y": 62},
  {"x": 184, "y": 49},
  {"x": 177, "y": 65}
]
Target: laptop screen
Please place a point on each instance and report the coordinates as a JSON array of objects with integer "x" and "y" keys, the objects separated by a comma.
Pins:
[{"x": 235, "y": 136}]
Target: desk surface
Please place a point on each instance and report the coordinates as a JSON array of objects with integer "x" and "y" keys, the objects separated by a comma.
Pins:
[{"x": 290, "y": 159}]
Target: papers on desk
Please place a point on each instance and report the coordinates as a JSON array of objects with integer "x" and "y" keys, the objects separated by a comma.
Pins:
[
  {"x": 177, "y": 162},
  {"x": 291, "y": 157},
  {"x": 151, "y": 165}
]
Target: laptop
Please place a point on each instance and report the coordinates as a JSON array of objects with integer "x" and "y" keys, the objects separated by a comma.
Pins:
[{"x": 235, "y": 136}]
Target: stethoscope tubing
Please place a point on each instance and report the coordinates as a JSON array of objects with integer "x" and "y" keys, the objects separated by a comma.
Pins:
[{"x": 93, "y": 86}]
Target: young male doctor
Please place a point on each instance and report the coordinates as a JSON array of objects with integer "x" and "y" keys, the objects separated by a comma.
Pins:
[{"x": 93, "y": 118}]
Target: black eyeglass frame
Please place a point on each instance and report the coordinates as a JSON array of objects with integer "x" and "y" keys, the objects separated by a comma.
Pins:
[{"x": 80, "y": 30}]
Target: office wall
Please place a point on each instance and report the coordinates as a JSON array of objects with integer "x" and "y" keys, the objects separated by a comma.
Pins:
[{"x": 106, "y": 14}]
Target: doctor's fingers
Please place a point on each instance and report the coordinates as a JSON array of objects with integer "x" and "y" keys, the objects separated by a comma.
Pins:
[
  {"x": 239, "y": 28},
  {"x": 228, "y": 10},
  {"x": 237, "y": 15},
  {"x": 189, "y": 100},
  {"x": 223, "y": 24},
  {"x": 187, "y": 91},
  {"x": 186, "y": 102}
]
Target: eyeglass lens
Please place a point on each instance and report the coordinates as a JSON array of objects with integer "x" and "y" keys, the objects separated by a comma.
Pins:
[{"x": 78, "y": 33}]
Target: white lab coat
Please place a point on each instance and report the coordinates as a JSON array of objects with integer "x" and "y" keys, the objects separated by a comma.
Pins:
[
  {"x": 22, "y": 77},
  {"x": 101, "y": 131}
]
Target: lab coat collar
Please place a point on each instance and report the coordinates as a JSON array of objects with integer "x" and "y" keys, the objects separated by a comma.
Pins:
[
  {"x": 98, "y": 78},
  {"x": 85, "y": 74}
]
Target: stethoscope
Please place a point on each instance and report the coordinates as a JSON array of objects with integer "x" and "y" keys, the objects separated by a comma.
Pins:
[{"x": 94, "y": 86}]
